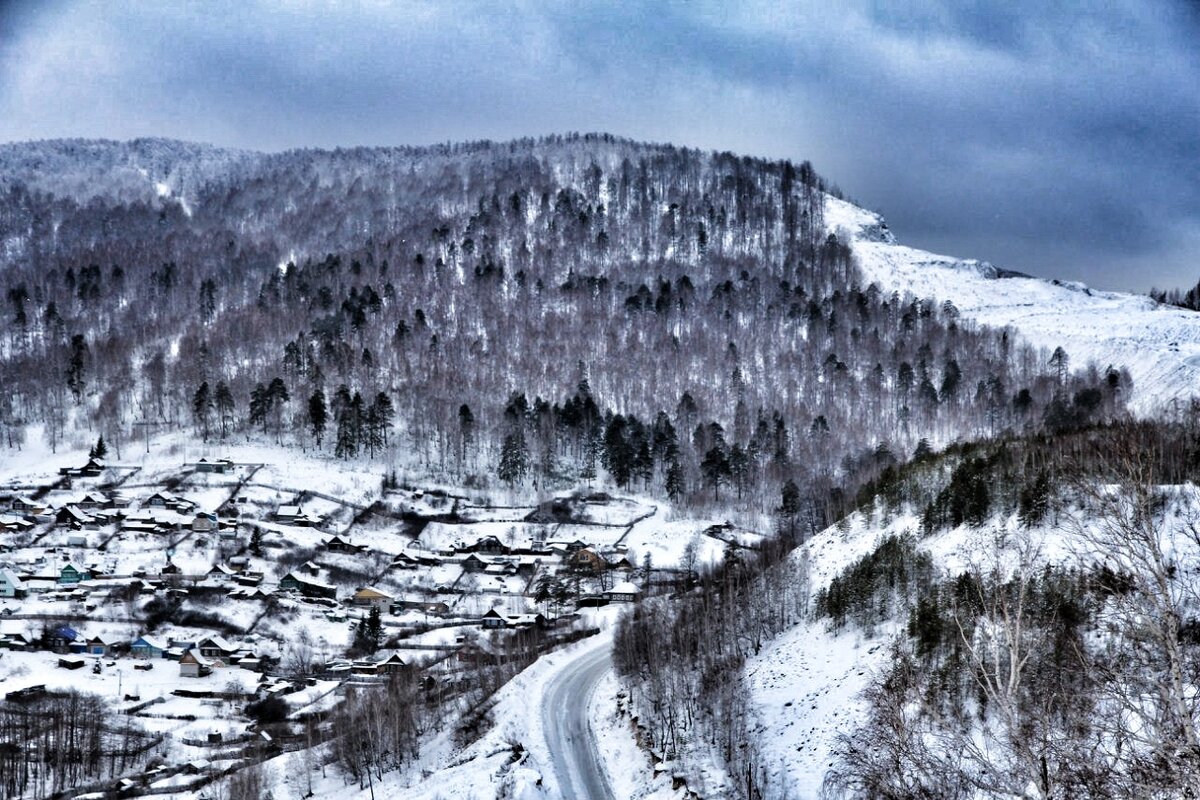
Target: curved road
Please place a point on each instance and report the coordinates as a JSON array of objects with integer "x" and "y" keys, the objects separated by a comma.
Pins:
[{"x": 567, "y": 729}]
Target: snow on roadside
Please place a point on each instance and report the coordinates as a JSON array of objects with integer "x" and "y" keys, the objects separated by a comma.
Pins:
[{"x": 630, "y": 771}]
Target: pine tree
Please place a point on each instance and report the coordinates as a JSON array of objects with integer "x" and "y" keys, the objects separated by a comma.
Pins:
[
  {"x": 673, "y": 484},
  {"x": 202, "y": 404},
  {"x": 318, "y": 414},
  {"x": 225, "y": 406},
  {"x": 739, "y": 468},
  {"x": 98, "y": 450},
  {"x": 466, "y": 433},
  {"x": 259, "y": 405},
  {"x": 789, "y": 506},
  {"x": 77, "y": 366},
  {"x": 369, "y": 633},
  {"x": 715, "y": 467},
  {"x": 379, "y": 418},
  {"x": 514, "y": 458}
]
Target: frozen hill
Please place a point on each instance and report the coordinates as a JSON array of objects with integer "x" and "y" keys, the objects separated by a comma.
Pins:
[{"x": 1159, "y": 345}]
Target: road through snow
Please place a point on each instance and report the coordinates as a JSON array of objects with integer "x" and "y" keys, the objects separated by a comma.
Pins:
[{"x": 569, "y": 735}]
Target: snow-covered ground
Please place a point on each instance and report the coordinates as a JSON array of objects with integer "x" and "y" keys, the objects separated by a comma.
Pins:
[
  {"x": 806, "y": 683},
  {"x": 1159, "y": 345}
]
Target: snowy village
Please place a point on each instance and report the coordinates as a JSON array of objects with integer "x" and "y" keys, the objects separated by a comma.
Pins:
[{"x": 282, "y": 599}]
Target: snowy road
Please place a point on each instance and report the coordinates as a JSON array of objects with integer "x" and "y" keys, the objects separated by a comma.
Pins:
[{"x": 568, "y": 732}]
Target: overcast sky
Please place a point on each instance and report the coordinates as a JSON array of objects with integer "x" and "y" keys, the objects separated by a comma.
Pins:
[{"x": 1064, "y": 144}]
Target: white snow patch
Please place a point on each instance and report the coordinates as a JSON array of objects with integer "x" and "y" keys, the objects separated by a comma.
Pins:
[{"x": 1159, "y": 345}]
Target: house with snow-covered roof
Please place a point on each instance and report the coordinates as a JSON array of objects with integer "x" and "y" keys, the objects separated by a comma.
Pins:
[
  {"x": 194, "y": 665},
  {"x": 372, "y": 598},
  {"x": 10, "y": 584},
  {"x": 623, "y": 592}
]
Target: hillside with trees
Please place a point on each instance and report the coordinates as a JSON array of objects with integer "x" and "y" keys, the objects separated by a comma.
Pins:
[{"x": 537, "y": 313}]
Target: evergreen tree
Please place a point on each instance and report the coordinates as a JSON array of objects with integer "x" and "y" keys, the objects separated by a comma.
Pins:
[
  {"x": 514, "y": 458},
  {"x": 77, "y": 366},
  {"x": 673, "y": 484},
  {"x": 202, "y": 404},
  {"x": 466, "y": 433},
  {"x": 739, "y": 468},
  {"x": 225, "y": 406},
  {"x": 99, "y": 450},
  {"x": 715, "y": 468},
  {"x": 789, "y": 506},
  {"x": 368, "y": 636},
  {"x": 318, "y": 415},
  {"x": 380, "y": 417}
]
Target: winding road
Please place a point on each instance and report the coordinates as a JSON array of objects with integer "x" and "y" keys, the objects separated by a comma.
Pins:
[{"x": 568, "y": 732}]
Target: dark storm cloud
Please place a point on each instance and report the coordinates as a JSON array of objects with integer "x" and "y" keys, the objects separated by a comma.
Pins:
[{"x": 1062, "y": 142}]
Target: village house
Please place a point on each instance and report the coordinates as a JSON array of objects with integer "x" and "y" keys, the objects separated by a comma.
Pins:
[
  {"x": 489, "y": 544},
  {"x": 620, "y": 562},
  {"x": 566, "y": 547},
  {"x": 71, "y": 574},
  {"x": 169, "y": 501},
  {"x": 193, "y": 665},
  {"x": 474, "y": 563},
  {"x": 219, "y": 466},
  {"x": 391, "y": 665},
  {"x": 587, "y": 560},
  {"x": 216, "y": 647},
  {"x": 220, "y": 574},
  {"x": 336, "y": 544},
  {"x": 10, "y": 523},
  {"x": 306, "y": 586},
  {"x": 404, "y": 561},
  {"x": 14, "y": 635},
  {"x": 92, "y": 500},
  {"x": 294, "y": 515},
  {"x": 204, "y": 523},
  {"x": 493, "y": 619},
  {"x": 10, "y": 584},
  {"x": 624, "y": 592},
  {"x": 147, "y": 521},
  {"x": 74, "y": 517},
  {"x": 148, "y": 647},
  {"x": 372, "y": 598},
  {"x": 60, "y": 638},
  {"x": 27, "y": 507},
  {"x": 91, "y": 469},
  {"x": 248, "y": 579},
  {"x": 432, "y": 607},
  {"x": 98, "y": 646}
]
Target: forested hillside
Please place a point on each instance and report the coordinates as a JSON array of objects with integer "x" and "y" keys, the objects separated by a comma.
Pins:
[{"x": 535, "y": 313}]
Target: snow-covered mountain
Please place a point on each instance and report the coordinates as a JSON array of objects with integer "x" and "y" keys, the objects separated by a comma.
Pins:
[{"x": 1159, "y": 345}]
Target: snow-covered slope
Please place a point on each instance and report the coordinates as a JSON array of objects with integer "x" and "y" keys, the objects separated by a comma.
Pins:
[
  {"x": 806, "y": 685},
  {"x": 1159, "y": 345}
]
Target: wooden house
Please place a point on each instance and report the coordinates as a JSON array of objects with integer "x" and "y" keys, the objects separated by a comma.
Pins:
[
  {"x": 71, "y": 574},
  {"x": 74, "y": 517},
  {"x": 371, "y": 598},
  {"x": 307, "y": 586},
  {"x": 194, "y": 665},
  {"x": 10, "y": 584},
  {"x": 204, "y": 522},
  {"x": 219, "y": 466},
  {"x": 624, "y": 592},
  {"x": 391, "y": 665},
  {"x": 148, "y": 647},
  {"x": 98, "y": 646}
]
